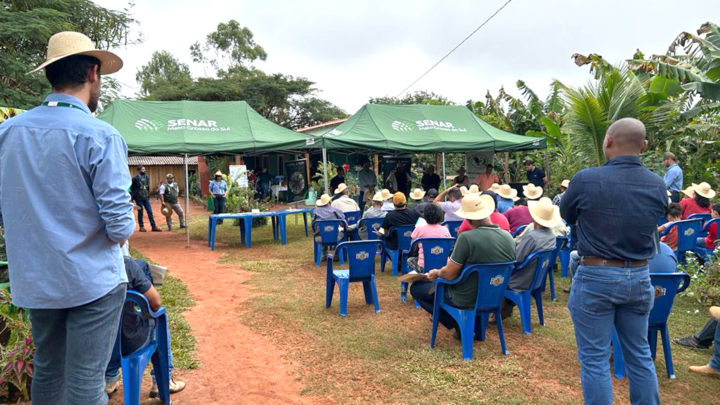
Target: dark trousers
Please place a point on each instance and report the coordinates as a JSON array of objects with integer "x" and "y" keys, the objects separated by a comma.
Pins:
[
  {"x": 219, "y": 207},
  {"x": 707, "y": 333},
  {"x": 424, "y": 294},
  {"x": 145, "y": 206}
]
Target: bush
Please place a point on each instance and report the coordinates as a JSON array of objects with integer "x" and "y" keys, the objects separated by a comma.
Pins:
[
  {"x": 705, "y": 283},
  {"x": 16, "y": 354}
]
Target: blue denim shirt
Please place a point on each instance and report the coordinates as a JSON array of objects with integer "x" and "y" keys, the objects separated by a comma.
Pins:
[
  {"x": 674, "y": 178},
  {"x": 64, "y": 204},
  {"x": 615, "y": 207},
  {"x": 218, "y": 188}
]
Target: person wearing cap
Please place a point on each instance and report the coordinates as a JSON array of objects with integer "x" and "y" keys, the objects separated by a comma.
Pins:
[
  {"x": 342, "y": 201},
  {"x": 700, "y": 203},
  {"x": 487, "y": 179},
  {"x": 387, "y": 200},
  {"x": 427, "y": 200},
  {"x": 461, "y": 179},
  {"x": 399, "y": 216},
  {"x": 325, "y": 211},
  {"x": 416, "y": 197},
  {"x": 520, "y": 214},
  {"x": 507, "y": 196},
  {"x": 339, "y": 178},
  {"x": 169, "y": 192},
  {"x": 496, "y": 217},
  {"x": 65, "y": 172},
  {"x": 450, "y": 207},
  {"x": 563, "y": 186},
  {"x": 140, "y": 194},
  {"x": 430, "y": 179},
  {"x": 535, "y": 175},
  {"x": 485, "y": 243},
  {"x": 218, "y": 188},
  {"x": 673, "y": 176},
  {"x": 615, "y": 208}
]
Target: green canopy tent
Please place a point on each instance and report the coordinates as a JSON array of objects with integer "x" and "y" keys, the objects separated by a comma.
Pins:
[
  {"x": 422, "y": 128},
  {"x": 197, "y": 127}
]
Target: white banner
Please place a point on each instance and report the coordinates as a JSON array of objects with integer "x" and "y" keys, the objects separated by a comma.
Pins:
[{"x": 238, "y": 173}]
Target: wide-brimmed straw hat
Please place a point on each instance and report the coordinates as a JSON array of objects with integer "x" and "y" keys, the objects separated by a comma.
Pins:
[
  {"x": 703, "y": 190},
  {"x": 386, "y": 194},
  {"x": 324, "y": 200},
  {"x": 532, "y": 192},
  {"x": 689, "y": 192},
  {"x": 417, "y": 194},
  {"x": 218, "y": 173},
  {"x": 474, "y": 189},
  {"x": 378, "y": 197},
  {"x": 463, "y": 190},
  {"x": 495, "y": 187},
  {"x": 565, "y": 183},
  {"x": 544, "y": 212},
  {"x": 507, "y": 192},
  {"x": 166, "y": 211},
  {"x": 475, "y": 206},
  {"x": 340, "y": 188},
  {"x": 68, "y": 43}
]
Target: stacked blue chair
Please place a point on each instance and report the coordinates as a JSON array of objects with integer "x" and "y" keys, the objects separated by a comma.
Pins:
[
  {"x": 452, "y": 226},
  {"x": 329, "y": 230},
  {"x": 435, "y": 254},
  {"x": 492, "y": 280},
  {"x": 688, "y": 232},
  {"x": 156, "y": 349},
  {"x": 404, "y": 233},
  {"x": 666, "y": 285},
  {"x": 353, "y": 218},
  {"x": 361, "y": 268},
  {"x": 519, "y": 230},
  {"x": 541, "y": 261}
]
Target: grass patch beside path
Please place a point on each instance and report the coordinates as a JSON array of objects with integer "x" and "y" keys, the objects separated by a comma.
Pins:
[{"x": 386, "y": 358}]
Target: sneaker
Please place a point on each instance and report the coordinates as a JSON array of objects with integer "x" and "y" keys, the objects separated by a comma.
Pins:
[
  {"x": 175, "y": 386},
  {"x": 705, "y": 370},
  {"x": 111, "y": 387},
  {"x": 143, "y": 230},
  {"x": 157, "y": 230},
  {"x": 689, "y": 341}
]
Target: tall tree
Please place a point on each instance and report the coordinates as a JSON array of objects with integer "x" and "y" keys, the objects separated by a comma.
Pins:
[
  {"x": 163, "y": 70},
  {"x": 418, "y": 97}
]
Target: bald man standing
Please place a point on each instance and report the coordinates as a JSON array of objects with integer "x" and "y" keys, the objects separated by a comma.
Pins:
[{"x": 615, "y": 208}]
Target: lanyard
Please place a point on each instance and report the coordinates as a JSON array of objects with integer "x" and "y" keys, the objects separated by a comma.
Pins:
[{"x": 61, "y": 104}]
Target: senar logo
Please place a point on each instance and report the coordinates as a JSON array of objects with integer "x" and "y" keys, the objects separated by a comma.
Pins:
[
  {"x": 401, "y": 126},
  {"x": 496, "y": 281},
  {"x": 146, "y": 125},
  {"x": 424, "y": 125},
  {"x": 436, "y": 250},
  {"x": 362, "y": 255}
]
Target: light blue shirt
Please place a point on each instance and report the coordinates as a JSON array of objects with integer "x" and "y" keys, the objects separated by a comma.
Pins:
[
  {"x": 64, "y": 205},
  {"x": 674, "y": 178},
  {"x": 504, "y": 204},
  {"x": 218, "y": 188}
]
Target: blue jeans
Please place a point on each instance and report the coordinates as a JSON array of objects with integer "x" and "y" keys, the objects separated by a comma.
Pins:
[
  {"x": 603, "y": 297},
  {"x": 715, "y": 360},
  {"x": 72, "y": 349},
  {"x": 145, "y": 206}
]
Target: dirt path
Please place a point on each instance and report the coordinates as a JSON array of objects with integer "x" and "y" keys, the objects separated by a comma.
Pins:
[{"x": 237, "y": 365}]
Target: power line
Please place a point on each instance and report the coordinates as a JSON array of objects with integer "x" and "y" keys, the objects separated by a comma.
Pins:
[{"x": 456, "y": 47}]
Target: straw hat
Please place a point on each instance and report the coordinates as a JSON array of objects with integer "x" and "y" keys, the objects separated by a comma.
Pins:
[
  {"x": 475, "y": 206},
  {"x": 399, "y": 199},
  {"x": 689, "y": 192},
  {"x": 463, "y": 190},
  {"x": 340, "y": 188},
  {"x": 386, "y": 194},
  {"x": 532, "y": 192},
  {"x": 378, "y": 197},
  {"x": 324, "y": 200},
  {"x": 495, "y": 187},
  {"x": 474, "y": 189},
  {"x": 68, "y": 43},
  {"x": 565, "y": 183},
  {"x": 703, "y": 190},
  {"x": 507, "y": 192},
  {"x": 544, "y": 212},
  {"x": 218, "y": 173},
  {"x": 166, "y": 211},
  {"x": 417, "y": 194}
]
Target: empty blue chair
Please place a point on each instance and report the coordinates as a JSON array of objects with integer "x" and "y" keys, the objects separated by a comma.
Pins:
[
  {"x": 705, "y": 253},
  {"x": 371, "y": 224},
  {"x": 492, "y": 279},
  {"x": 519, "y": 230},
  {"x": 704, "y": 217},
  {"x": 404, "y": 233},
  {"x": 666, "y": 285},
  {"x": 452, "y": 226},
  {"x": 688, "y": 232},
  {"x": 435, "y": 254},
  {"x": 156, "y": 349},
  {"x": 361, "y": 268},
  {"x": 541, "y": 261},
  {"x": 329, "y": 230}
]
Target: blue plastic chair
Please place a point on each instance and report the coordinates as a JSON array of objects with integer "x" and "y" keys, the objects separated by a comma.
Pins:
[
  {"x": 564, "y": 255},
  {"x": 435, "y": 254},
  {"x": 662, "y": 220},
  {"x": 560, "y": 243},
  {"x": 353, "y": 218},
  {"x": 361, "y": 268},
  {"x": 371, "y": 224},
  {"x": 519, "y": 230},
  {"x": 453, "y": 226},
  {"x": 404, "y": 233},
  {"x": 704, "y": 217},
  {"x": 156, "y": 349},
  {"x": 666, "y": 285},
  {"x": 542, "y": 262},
  {"x": 492, "y": 280},
  {"x": 705, "y": 253},
  {"x": 688, "y": 232},
  {"x": 329, "y": 230}
]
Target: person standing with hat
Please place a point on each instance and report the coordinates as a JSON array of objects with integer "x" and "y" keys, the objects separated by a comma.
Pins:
[
  {"x": 342, "y": 201},
  {"x": 169, "y": 192},
  {"x": 615, "y": 208},
  {"x": 140, "y": 193},
  {"x": 700, "y": 203},
  {"x": 64, "y": 238},
  {"x": 535, "y": 175},
  {"x": 673, "y": 176},
  {"x": 563, "y": 187},
  {"x": 461, "y": 179},
  {"x": 218, "y": 188}
]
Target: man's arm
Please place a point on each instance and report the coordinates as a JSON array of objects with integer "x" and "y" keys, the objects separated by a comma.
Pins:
[
  {"x": 162, "y": 194},
  {"x": 153, "y": 298},
  {"x": 441, "y": 197}
]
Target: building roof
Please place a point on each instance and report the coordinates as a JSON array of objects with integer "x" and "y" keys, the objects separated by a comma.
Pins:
[{"x": 161, "y": 160}]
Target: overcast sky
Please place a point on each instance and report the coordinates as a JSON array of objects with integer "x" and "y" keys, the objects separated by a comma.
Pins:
[{"x": 354, "y": 50}]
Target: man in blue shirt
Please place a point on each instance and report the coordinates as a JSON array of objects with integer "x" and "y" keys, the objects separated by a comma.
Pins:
[
  {"x": 63, "y": 239},
  {"x": 615, "y": 208},
  {"x": 535, "y": 175},
  {"x": 673, "y": 177}
]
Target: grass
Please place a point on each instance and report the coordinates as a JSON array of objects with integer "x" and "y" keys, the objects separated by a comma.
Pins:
[{"x": 385, "y": 357}]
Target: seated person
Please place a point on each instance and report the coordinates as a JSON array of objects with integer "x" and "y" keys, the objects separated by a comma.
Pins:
[
  {"x": 399, "y": 216},
  {"x": 429, "y": 197},
  {"x": 136, "y": 329},
  {"x": 453, "y": 205},
  {"x": 496, "y": 217},
  {"x": 485, "y": 243},
  {"x": 704, "y": 337},
  {"x": 711, "y": 240},
  {"x": 700, "y": 203},
  {"x": 416, "y": 198},
  {"x": 323, "y": 212},
  {"x": 712, "y": 369},
  {"x": 375, "y": 211},
  {"x": 387, "y": 200},
  {"x": 433, "y": 229},
  {"x": 674, "y": 213},
  {"x": 519, "y": 215},
  {"x": 507, "y": 196},
  {"x": 342, "y": 200}
]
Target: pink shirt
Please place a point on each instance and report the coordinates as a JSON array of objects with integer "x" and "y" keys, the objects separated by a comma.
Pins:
[
  {"x": 496, "y": 218},
  {"x": 517, "y": 217},
  {"x": 428, "y": 231}
]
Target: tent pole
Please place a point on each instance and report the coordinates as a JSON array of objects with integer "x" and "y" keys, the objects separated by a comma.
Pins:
[
  {"x": 324, "y": 153},
  {"x": 444, "y": 176},
  {"x": 187, "y": 200}
]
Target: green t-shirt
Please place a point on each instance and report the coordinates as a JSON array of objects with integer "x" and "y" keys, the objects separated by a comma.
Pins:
[{"x": 485, "y": 244}]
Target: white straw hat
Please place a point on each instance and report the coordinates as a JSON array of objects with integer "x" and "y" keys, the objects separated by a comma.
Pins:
[
  {"x": 495, "y": 187},
  {"x": 340, "y": 188},
  {"x": 68, "y": 43},
  {"x": 474, "y": 189},
  {"x": 704, "y": 190},
  {"x": 378, "y": 197},
  {"x": 565, "y": 183},
  {"x": 689, "y": 192},
  {"x": 532, "y": 192},
  {"x": 474, "y": 206},
  {"x": 507, "y": 192},
  {"x": 324, "y": 200},
  {"x": 544, "y": 212},
  {"x": 386, "y": 194},
  {"x": 417, "y": 194}
]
